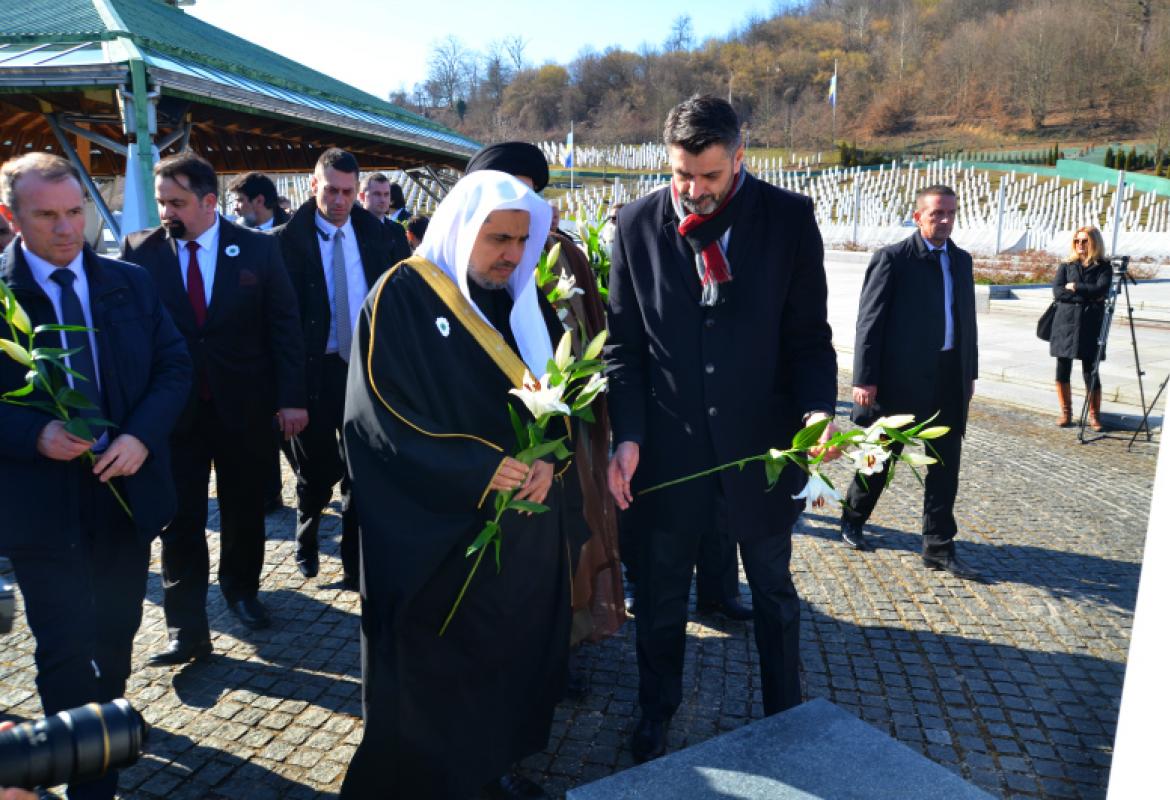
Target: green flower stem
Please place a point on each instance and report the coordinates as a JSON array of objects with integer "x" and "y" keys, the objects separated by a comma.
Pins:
[
  {"x": 466, "y": 583},
  {"x": 743, "y": 462}
]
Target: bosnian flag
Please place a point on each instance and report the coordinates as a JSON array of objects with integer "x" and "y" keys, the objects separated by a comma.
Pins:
[
  {"x": 569, "y": 149},
  {"x": 833, "y": 87}
]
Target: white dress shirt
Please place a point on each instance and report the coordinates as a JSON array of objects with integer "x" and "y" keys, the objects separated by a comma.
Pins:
[
  {"x": 356, "y": 276},
  {"x": 208, "y": 242}
]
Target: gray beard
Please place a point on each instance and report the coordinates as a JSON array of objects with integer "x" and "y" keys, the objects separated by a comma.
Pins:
[{"x": 485, "y": 282}]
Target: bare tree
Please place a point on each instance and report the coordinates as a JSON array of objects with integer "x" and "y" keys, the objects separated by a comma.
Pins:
[
  {"x": 515, "y": 46},
  {"x": 681, "y": 36},
  {"x": 448, "y": 68}
]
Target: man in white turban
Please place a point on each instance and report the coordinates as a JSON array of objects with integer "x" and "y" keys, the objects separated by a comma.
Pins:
[{"x": 443, "y": 337}]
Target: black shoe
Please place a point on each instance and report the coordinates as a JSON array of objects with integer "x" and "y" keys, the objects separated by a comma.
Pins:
[
  {"x": 514, "y": 787},
  {"x": 649, "y": 739},
  {"x": 308, "y": 564},
  {"x": 853, "y": 536},
  {"x": 731, "y": 609},
  {"x": 952, "y": 564},
  {"x": 350, "y": 583},
  {"x": 251, "y": 612},
  {"x": 177, "y": 652}
]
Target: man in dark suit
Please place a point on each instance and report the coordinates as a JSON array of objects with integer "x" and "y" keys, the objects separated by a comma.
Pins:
[
  {"x": 228, "y": 292},
  {"x": 720, "y": 348},
  {"x": 256, "y": 201},
  {"x": 335, "y": 251},
  {"x": 257, "y": 206},
  {"x": 916, "y": 352},
  {"x": 80, "y": 560}
]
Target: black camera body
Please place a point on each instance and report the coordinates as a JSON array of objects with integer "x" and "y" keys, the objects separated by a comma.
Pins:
[
  {"x": 1120, "y": 265},
  {"x": 75, "y": 746}
]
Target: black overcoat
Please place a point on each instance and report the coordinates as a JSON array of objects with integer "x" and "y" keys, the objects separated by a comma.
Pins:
[
  {"x": 381, "y": 247},
  {"x": 145, "y": 374},
  {"x": 1079, "y": 313},
  {"x": 901, "y": 324},
  {"x": 700, "y": 386}
]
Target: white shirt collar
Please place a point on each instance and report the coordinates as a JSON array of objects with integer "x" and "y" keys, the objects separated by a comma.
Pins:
[
  {"x": 42, "y": 269},
  {"x": 208, "y": 239},
  {"x": 329, "y": 229}
]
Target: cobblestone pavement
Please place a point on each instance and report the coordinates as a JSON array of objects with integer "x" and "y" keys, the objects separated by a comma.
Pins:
[{"x": 1014, "y": 685}]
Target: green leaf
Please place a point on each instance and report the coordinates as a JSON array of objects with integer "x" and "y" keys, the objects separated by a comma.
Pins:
[
  {"x": 539, "y": 451},
  {"x": 562, "y": 452},
  {"x": 48, "y": 327},
  {"x": 71, "y": 398},
  {"x": 518, "y": 426},
  {"x": 808, "y": 437},
  {"x": 54, "y": 353},
  {"x": 79, "y": 428},
  {"x": 490, "y": 530},
  {"x": 585, "y": 413},
  {"x": 23, "y": 391},
  {"x": 772, "y": 470},
  {"x": 527, "y": 505}
]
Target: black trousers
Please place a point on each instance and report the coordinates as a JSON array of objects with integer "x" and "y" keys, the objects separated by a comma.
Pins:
[
  {"x": 240, "y": 459},
  {"x": 942, "y": 478},
  {"x": 318, "y": 456},
  {"x": 84, "y": 605},
  {"x": 717, "y": 570},
  {"x": 668, "y": 547}
]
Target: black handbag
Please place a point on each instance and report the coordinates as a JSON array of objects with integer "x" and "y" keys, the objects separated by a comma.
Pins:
[{"x": 1044, "y": 324}]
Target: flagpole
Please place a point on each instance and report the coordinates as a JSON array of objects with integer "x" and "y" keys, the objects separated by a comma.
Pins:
[{"x": 834, "y": 128}]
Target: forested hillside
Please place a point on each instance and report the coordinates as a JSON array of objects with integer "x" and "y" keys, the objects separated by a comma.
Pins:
[{"x": 970, "y": 73}]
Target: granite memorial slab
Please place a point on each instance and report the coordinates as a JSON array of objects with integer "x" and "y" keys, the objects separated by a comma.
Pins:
[{"x": 815, "y": 750}]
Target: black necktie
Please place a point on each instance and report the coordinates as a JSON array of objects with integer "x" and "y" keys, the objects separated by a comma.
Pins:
[{"x": 81, "y": 362}]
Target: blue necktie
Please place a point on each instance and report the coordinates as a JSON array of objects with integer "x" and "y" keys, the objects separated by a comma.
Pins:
[{"x": 81, "y": 362}]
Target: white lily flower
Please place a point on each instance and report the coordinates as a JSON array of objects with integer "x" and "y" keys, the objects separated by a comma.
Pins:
[
  {"x": 817, "y": 493},
  {"x": 540, "y": 398},
  {"x": 567, "y": 287},
  {"x": 595, "y": 386},
  {"x": 867, "y": 458}
]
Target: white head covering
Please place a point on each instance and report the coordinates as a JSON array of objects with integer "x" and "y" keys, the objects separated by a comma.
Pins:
[{"x": 451, "y": 235}]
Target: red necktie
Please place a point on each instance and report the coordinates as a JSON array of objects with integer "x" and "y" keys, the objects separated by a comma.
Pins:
[
  {"x": 195, "y": 284},
  {"x": 198, "y": 305}
]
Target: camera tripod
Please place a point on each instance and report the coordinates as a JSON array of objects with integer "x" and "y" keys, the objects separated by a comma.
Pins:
[{"x": 1121, "y": 281}]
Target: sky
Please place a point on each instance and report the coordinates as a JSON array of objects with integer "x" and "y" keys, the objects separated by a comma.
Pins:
[{"x": 382, "y": 45}]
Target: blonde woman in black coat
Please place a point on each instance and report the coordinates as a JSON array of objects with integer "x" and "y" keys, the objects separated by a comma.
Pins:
[{"x": 1080, "y": 288}]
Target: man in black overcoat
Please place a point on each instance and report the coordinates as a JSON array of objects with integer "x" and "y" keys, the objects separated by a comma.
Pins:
[
  {"x": 916, "y": 352},
  {"x": 81, "y": 561},
  {"x": 316, "y": 255},
  {"x": 720, "y": 349},
  {"x": 228, "y": 292}
]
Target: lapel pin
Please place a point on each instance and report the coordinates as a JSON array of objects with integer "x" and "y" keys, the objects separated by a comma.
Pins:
[
  {"x": 231, "y": 251},
  {"x": 443, "y": 325}
]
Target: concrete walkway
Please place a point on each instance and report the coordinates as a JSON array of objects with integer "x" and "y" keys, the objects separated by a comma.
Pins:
[{"x": 1014, "y": 365}]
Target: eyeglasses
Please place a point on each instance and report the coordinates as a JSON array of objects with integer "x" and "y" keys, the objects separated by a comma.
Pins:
[{"x": 1080, "y": 241}]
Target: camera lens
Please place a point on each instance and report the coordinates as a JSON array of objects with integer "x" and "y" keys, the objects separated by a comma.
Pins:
[{"x": 71, "y": 747}]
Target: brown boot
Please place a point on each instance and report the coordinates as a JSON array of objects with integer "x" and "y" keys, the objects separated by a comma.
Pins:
[
  {"x": 1064, "y": 397},
  {"x": 1095, "y": 410}
]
